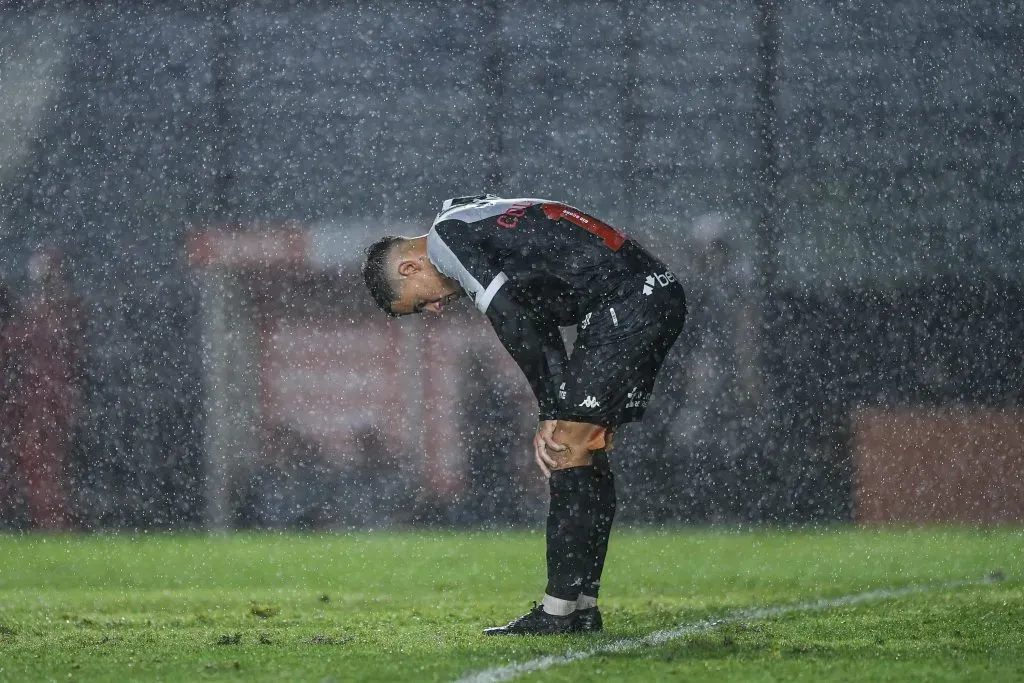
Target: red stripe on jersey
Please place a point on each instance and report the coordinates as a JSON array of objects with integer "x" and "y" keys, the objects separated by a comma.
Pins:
[{"x": 611, "y": 237}]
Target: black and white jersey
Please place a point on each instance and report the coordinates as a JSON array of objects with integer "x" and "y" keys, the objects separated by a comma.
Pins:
[
  {"x": 557, "y": 260},
  {"x": 532, "y": 265}
]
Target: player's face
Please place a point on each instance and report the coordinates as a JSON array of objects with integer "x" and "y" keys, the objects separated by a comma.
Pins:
[{"x": 424, "y": 289}]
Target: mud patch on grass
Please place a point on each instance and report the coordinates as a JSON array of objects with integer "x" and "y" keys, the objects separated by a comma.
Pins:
[
  {"x": 322, "y": 639},
  {"x": 229, "y": 639}
]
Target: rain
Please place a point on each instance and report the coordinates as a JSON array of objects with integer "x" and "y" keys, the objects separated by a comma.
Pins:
[{"x": 186, "y": 189}]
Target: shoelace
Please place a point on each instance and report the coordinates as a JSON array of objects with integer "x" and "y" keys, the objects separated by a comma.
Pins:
[{"x": 535, "y": 608}]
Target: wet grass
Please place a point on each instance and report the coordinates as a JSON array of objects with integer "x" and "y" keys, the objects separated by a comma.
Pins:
[{"x": 409, "y": 606}]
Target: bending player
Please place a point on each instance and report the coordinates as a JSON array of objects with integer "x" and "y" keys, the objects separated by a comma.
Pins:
[{"x": 531, "y": 266}]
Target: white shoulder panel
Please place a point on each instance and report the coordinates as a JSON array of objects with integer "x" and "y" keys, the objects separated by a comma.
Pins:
[
  {"x": 445, "y": 260},
  {"x": 480, "y": 209},
  {"x": 447, "y": 263}
]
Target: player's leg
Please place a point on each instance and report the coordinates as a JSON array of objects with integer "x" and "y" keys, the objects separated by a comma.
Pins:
[
  {"x": 573, "y": 491},
  {"x": 602, "y": 508},
  {"x": 575, "y": 513},
  {"x": 617, "y": 363}
]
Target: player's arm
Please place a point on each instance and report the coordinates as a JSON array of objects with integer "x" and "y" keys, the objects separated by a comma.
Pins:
[
  {"x": 535, "y": 343},
  {"x": 536, "y": 346}
]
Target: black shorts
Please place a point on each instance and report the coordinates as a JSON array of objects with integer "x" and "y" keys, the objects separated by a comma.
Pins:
[{"x": 620, "y": 348}]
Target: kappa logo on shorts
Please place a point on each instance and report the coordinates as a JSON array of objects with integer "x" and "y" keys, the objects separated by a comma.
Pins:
[
  {"x": 590, "y": 402},
  {"x": 660, "y": 279},
  {"x": 585, "y": 321},
  {"x": 561, "y": 391}
]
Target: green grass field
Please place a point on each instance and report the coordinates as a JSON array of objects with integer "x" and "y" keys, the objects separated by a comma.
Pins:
[{"x": 410, "y": 606}]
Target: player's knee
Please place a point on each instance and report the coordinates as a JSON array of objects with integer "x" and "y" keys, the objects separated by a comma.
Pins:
[
  {"x": 577, "y": 434},
  {"x": 580, "y": 439}
]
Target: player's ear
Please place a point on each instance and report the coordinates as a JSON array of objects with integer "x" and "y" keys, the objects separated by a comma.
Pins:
[{"x": 408, "y": 266}]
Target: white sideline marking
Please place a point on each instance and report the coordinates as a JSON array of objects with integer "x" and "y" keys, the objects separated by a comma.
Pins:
[{"x": 510, "y": 671}]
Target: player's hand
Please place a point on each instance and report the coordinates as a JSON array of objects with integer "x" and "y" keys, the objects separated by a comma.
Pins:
[{"x": 544, "y": 441}]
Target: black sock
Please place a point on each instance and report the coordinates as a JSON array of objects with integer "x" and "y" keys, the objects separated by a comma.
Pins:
[
  {"x": 569, "y": 531},
  {"x": 602, "y": 509}
]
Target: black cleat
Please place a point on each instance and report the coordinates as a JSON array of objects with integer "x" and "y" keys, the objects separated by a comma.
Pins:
[
  {"x": 588, "y": 620},
  {"x": 535, "y": 622}
]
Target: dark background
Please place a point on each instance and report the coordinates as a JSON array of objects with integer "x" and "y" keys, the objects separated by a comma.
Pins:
[{"x": 864, "y": 158}]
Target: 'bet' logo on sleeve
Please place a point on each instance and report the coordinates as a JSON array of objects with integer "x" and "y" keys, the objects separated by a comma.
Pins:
[{"x": 660, "y": 279}]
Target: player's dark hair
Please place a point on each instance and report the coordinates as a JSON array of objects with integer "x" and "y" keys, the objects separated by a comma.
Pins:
[{"x": 375, "y": 271}]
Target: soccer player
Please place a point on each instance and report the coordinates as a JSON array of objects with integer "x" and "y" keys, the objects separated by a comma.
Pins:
[{"x": 531, "y": 266}]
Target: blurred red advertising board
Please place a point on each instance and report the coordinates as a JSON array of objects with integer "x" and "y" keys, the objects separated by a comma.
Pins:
[{"x": 938, "y": 465}]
